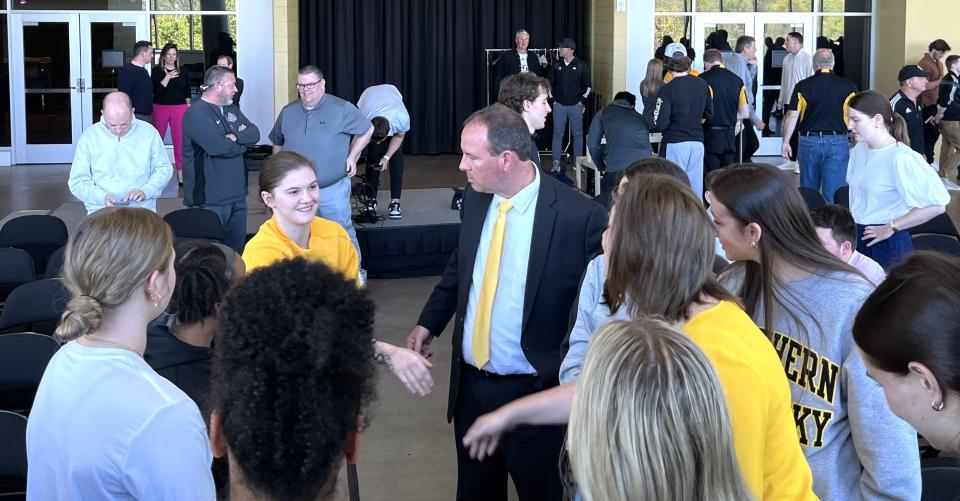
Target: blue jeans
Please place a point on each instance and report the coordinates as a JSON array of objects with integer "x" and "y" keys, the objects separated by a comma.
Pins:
[
  {"x": 561, "y": 115},
  {"x": 887, "y": 252},
  {"x": 335, "y": 206},
  {"x": 823, "y": 163},
  {"x": 233, "y": 218}
]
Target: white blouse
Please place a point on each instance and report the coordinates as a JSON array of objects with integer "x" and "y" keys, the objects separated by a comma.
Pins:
[{"x": 888, "y": 182}]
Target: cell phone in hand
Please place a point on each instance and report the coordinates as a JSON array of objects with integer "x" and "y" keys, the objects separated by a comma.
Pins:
[{"x": 121, "y": 203}]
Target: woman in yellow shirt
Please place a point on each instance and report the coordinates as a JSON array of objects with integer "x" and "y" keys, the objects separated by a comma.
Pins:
[
  {"x": 288, "y": 186},
  {"x": 658, "y": 258}
]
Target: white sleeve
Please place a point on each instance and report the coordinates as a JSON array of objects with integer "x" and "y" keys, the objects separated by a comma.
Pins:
[
  {"x": 170, "y": 457},
  {"x": 917, "y": 182},
  {"x": 591, "y": 291},
  {"x": 159, "y": 168},
  {"x": 81, "y": 181}
]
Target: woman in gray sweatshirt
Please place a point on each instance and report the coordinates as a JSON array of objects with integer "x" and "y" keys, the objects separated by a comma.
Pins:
[{"x": 805, "y": 299}]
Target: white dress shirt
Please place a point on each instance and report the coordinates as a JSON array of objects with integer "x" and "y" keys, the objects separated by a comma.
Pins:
[
  {"x": 506, "y": 318},
  {"x": 887, "y": 183},
  {"x": 106, "y": 164}
]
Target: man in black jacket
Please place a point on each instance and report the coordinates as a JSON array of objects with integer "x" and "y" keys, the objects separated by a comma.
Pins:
[
  {"x": 948, "y": 115},
  {"x": 518, "y": 61},
  {"x": 215, "y": 136},
  {"x": 570, "y": 83},
  {"x": 525, "y": 241},
  {"x": 628, "y": 139},
  {"x": 729, "y": 107}
]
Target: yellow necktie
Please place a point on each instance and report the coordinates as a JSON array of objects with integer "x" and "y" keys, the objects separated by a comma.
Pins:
[{"x": 491, "y": 275}]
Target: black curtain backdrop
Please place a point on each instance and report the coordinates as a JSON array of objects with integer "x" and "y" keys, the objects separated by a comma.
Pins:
[{"x": 432, "y": 50}]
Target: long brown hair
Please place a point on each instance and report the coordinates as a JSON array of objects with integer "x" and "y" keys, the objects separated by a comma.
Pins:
[
  {"x": 762, "y": 194},
  {"x": 661, "y": 260},
  {"x": 653, "y": 79},
  {"x": 871, "y": 103}
]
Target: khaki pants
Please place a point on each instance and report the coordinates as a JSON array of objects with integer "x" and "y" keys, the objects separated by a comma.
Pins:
[{"x": 949, "y": 149}]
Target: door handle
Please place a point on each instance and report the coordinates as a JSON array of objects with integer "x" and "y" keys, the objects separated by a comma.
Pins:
[{"x": 80, "y": 88}]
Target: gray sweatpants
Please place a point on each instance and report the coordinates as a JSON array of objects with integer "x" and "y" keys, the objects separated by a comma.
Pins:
[
  {"x": 561, "y": 115},
  {"x": 689, "y": 156}
]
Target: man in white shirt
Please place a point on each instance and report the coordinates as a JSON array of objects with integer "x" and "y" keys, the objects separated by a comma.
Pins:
[
  {"x": 838, "y": 234},
  {"x": 119, "y": 160},
  {"x": 797, "y": 65}
]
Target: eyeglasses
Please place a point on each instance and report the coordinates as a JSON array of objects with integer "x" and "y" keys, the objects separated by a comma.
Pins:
[{"x": 308, "y": 85}]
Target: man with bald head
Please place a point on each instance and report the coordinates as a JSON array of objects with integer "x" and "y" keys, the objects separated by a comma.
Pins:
[
  {"x": 819, "y": 105},
  {"x": 119, "y": 160}
]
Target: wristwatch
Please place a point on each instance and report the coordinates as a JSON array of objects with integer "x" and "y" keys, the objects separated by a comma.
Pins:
[
  {"x": 893, "y": 225},
  {"x": 387, "y": 157}
]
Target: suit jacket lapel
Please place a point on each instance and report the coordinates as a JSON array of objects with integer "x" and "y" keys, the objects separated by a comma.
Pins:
[
  {"x": 543, "y": 221},
  {"x": 471, "y": 228}
]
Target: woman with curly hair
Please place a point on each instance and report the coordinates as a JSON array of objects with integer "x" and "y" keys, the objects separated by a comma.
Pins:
[
  {"x": 104, "y": 425},
  {"x": 293, "y": 375}
]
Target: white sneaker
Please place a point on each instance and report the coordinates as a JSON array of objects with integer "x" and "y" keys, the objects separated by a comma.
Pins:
[{"x": 950, "y": 185}]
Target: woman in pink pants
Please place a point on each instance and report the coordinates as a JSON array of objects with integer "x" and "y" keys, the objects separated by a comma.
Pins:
[{"x": 171, "y": 96}]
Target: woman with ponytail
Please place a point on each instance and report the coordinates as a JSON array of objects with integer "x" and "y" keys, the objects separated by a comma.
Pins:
[
  {"x": 891, "y": 186},
  {"x": 104, "y": 425}
]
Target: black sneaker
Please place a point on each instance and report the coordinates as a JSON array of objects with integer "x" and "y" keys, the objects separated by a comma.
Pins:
[
  {"x": 394, "y": 211},
  {"x": 372, "y": 206}
]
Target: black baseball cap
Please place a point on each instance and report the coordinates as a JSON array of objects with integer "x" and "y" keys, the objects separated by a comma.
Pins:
[
  {"x": 568, "y": 43},
  {"x": 910, "y": 71}
]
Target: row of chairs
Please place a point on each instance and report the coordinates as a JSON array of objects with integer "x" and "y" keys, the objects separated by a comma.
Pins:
[
  {"x": 31, "y": 246},
  {"x": 938, "y": 234}
]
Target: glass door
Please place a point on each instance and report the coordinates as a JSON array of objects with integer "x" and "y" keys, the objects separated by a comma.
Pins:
[
  {"x": 772, "y": 30},
  {"x": 46, "y": 86},
  {"x": 68, "y": 63}
]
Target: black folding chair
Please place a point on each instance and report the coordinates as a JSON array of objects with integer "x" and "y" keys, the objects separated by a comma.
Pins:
[
  {"x": 940, "y": 243},
  {"x": 16, "y": 268},
  {"x": 13, "y": 454},
  {"x": 55, "y": 264},
  {"x": 939, "y": 225},
  {"x": 194, "y": 222},
  {"x": 38, "y": 234},
  {"x": 23, "y": 358},
  {"x": 941, "y": 479},
  {"x": 812, "y": 198},
  {"x": 842, "y": 196},
  {"x": 35, "y": 307}
]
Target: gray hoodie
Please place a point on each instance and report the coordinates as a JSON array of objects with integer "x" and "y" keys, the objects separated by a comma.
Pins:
[
  {"x": 213, "y": 169},
  {"x": 854, "y": 444}
]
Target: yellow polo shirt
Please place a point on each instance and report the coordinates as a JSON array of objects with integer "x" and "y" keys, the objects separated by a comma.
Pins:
[
  {"x": 758, "y": 400},
  {"x": 329, "y": 243}
]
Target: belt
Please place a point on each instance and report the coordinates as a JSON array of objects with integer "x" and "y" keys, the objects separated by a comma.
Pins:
[
  {"x": 719, "y": 127},
  {"x": 823, "y": 133},
  {"x": 495, "y": 376}
]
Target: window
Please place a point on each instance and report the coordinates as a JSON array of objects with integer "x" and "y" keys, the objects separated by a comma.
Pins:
[
  {"x": 846, "y": 6},
  {"x": 849, "y": 39},
  {"x": 755, "y": 6},
  {"x": 194, "y": 5},
  {"x": 675, "y": 27},
  {"x": 673, "y": 6},
  {"x": 78, "y": 4}
]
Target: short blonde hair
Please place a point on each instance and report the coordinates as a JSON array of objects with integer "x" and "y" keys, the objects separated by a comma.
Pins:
[
  {"x": 113, "y": 253},
  {"x": 649, "y": 419}
]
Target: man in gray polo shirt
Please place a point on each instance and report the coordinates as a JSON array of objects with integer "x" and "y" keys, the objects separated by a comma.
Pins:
[{"x": 319, "y": 126}]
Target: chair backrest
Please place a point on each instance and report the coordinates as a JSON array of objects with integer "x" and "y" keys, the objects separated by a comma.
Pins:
[
  {"x": 194, "y": 222},
  {"x": 35, "y": 307},
  {"x": 939, "y": 243},
  {"x": 812, "y": 198},
  {"x": 13, "y": 446},
  {"x": 941, "y": 479},
  {"x": 16, "y": 268},
  {"x": 939, "y": 225},
  {"x": 23, "y": 358},
  {"x": 55, "y": 264},
  {"x": 842, "y": 196},
  {"x": 38, "y": 234}
]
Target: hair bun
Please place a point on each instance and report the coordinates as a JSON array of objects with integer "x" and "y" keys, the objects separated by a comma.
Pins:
[{"x": 82, "y": 316}]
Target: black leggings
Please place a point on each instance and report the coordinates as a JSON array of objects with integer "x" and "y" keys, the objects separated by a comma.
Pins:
[{"x": 374, "y": 153}]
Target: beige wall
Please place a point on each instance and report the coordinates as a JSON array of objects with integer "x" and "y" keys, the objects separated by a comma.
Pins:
[
  {"x": 286, "y": 60},
  {"x": 905, "y": 28},
  {"x": 607, "y": 31}
]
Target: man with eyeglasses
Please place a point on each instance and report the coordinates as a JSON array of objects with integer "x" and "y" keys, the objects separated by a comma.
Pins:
[
  {"x": 215, "y": 137},
  {"x": 329, "y": 131}
]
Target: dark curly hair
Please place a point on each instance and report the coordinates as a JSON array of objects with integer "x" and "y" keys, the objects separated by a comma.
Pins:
[
  {"x": 203, "y": 277},
  {"x": 293, "y": 370}
]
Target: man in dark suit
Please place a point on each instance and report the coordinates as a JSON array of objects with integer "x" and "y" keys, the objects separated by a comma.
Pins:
[
  {"x": 518, "y": 61},
  {"x": 525, "y": 240}
]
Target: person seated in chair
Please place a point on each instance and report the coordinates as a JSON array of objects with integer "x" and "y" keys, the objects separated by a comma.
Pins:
[
  {"x": 295, "y": 347},
  {"x": 288, "y": 186},
  {"x": 838, "y": 233}
]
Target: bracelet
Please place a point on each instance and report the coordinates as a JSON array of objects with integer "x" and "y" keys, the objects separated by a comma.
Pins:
[
  {"x": 387, "y": 157},
  {"x": 893, "y": 225}
]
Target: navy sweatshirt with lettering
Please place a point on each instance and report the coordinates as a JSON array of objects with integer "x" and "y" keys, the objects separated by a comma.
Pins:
[{"x": 678, "y": 109}]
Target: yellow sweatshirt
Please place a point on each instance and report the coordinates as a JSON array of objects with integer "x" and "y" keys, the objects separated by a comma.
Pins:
[
  {"x": 759, "y": 402},
  {"x": 329, "y": 243}
]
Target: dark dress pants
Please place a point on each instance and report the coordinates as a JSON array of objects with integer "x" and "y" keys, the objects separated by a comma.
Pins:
[
  {"x": 529, "y": 454},
  {"x": 719, "y": 147}
]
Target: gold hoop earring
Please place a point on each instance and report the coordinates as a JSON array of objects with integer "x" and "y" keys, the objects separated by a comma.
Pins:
[
  {"x": 937, "y": 407},
  {"x": 156, "y": 299}
]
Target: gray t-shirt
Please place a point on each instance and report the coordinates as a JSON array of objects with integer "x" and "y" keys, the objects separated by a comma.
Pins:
[
  {"x": 387, "y": 102},
  {"x": 321, "y": 134},
  {"x": 856, "y": 447}
]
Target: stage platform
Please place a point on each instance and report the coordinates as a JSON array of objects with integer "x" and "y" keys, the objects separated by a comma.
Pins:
[{"x": 419, "y": 244}]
